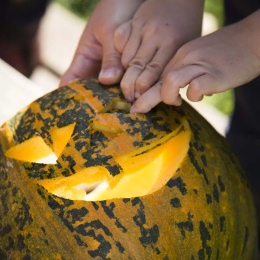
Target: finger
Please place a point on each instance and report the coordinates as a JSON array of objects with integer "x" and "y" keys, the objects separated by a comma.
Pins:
[
  {"x": 131, "y": 47},
  {"x": 200, "y": 86},
  {"x": 153, "y": 70},
  {"x": 86, "y": 61},
  {"x": 112, "y": 69},
  {"x": 122, "y": 35},
  {"x": 136, "y": 67},
  {"x": 148, "y": 100},
  {"x": 175, "y": 80}
]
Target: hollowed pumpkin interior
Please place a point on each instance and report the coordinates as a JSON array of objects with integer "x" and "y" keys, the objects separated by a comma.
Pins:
[{"x": 143, "y": 170}]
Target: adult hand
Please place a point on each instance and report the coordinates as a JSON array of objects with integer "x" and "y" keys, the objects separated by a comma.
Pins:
[
  {"x": 211, "y": 64},
  {"x": 96, "y": 49},
  {"x": 150, "y": 39}
]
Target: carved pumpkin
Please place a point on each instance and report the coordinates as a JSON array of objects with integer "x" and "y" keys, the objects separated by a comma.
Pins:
[{"x": 82, "y": 178}]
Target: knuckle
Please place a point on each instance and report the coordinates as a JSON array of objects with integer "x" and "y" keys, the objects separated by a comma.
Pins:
[
  {"x": 112, "y": 56},
  {"x": 166, "y": 98},
  {"x": 155, "y": 66},
  {"x": 171, "y": 79},
  {"x": 138, "y": 63},
  {"x": 125, "y": 62}
]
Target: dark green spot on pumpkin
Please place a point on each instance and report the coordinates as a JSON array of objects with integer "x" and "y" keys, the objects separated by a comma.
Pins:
[
  {"x": 179, "y": 184},
  {"x": 186, "y": 226},
  {"x": 215, "y": 193},
  {"x": 221, "y": 223},
  {"x": 175, "y": 203},
  {"x": 221, "y": 184}
]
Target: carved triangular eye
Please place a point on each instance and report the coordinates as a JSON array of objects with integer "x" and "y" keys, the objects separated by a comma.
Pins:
[
  {"x": 32, "y": 150},
  {"x": 37, "y": 151}
]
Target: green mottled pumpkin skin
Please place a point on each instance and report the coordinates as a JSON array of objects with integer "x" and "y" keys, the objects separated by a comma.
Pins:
[{"x": 205, "y": 211}]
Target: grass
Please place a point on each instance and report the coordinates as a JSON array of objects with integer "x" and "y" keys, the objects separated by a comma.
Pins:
[
  {"x": 223, "y": 101},
  {"x": 81, "y": 8},
  {"x": 215, "y": 7}
]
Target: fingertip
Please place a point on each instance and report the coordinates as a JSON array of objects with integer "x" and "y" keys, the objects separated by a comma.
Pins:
[
  {"x": 133, "y": 110},
  {"x": 194, "y": 91},
  {"x": 148, "y": 100}
]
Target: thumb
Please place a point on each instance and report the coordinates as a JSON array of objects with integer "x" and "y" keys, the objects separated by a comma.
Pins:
[
  {"x": 81, "y": 67},
  {"x": 112, "y": 69},
  {"x": 86, "y": 61}
]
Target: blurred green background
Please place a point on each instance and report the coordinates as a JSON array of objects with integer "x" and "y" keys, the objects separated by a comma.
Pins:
[{"x": 223, "y": 101}]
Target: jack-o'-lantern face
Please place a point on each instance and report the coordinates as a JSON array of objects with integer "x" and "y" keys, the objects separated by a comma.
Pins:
[
  {"x": 82, "y": 178},
  {"x": 95, "y": 150}
]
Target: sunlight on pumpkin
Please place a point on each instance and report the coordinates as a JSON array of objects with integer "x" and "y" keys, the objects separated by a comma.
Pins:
[
  {"x": 32, "y": 150},
  {"x": 145, "y": 170}
]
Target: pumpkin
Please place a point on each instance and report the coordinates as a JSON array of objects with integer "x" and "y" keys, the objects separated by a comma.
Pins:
[{"x": 82, "y": 178}]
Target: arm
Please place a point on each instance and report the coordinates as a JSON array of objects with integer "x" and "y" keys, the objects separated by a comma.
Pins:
[{"x": 212, "y": 64}]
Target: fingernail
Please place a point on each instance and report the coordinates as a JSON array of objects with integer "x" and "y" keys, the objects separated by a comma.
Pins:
[
  {"x": 133, "y": 110},
  {"x": 113, "y": 74},
  {"x": 129, "y": 99}
]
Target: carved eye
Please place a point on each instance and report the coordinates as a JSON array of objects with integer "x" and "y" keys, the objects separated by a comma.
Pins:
[{"x": 36, "y": 150}]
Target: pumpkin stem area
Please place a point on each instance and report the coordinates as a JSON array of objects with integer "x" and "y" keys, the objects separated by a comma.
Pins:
[{"x": 143, "y": 170}]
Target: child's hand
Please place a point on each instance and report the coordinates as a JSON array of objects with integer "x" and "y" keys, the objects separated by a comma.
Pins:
[
  {"x": 149, "y": 40},
  {"x": 96, "y": 47},
  {"x": 212, "y": 64}
]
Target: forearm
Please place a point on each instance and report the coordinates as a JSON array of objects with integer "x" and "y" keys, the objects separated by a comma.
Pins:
[{"x": 250, "y": 32}]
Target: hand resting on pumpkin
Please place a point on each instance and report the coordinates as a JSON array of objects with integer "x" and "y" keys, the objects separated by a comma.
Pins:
[
  {"x": 150, "y": 39},
  {"x": 211, "y": 64}
]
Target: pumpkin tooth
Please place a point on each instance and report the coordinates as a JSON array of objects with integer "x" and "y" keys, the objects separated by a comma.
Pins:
[
  {"x": 98, "y": 189},
  {"x": 86, "y": 187}
]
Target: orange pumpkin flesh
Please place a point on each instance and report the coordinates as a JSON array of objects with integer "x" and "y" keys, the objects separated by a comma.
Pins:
[
  {"x": 32, "y": 150},
  {"x": 163, "y": 185}
]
